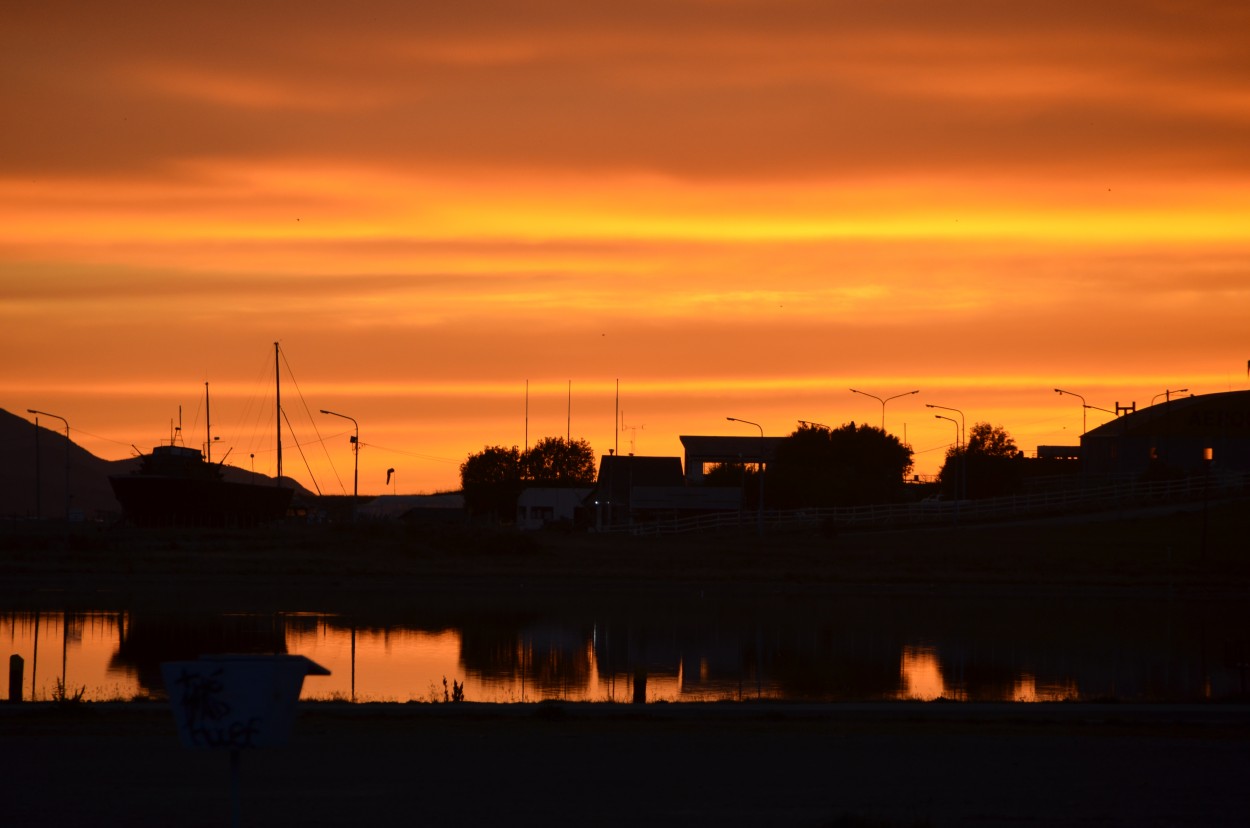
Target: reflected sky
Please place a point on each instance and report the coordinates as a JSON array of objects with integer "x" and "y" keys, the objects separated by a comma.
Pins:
[{"x": 912, "y": 650}]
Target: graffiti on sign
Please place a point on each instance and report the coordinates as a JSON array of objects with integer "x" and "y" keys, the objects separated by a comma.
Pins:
[{"x": 236, "y": 702}]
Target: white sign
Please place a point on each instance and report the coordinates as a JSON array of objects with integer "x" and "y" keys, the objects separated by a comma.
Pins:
[{"x": 231, "y": 702}]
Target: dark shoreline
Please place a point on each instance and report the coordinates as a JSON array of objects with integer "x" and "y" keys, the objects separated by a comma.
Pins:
[
  {"x": 1172, "y": 551},
  {"x": 871, "y": 765}
]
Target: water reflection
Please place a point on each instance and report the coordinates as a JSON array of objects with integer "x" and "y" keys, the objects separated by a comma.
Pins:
[
  {"x": 921, "y": 675},
  {"x": 855, "y": 648}
]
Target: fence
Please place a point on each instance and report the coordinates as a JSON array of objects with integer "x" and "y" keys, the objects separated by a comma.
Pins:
[{"x": 1037, "y": 504}]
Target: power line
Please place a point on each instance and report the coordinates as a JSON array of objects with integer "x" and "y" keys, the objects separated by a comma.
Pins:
[{"x": 412, "y": 454}]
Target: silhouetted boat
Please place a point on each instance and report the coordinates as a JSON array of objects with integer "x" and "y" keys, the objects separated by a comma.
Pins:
[
  {"x": 179, "y": 486},
  {"x": 176, "y": 486}
]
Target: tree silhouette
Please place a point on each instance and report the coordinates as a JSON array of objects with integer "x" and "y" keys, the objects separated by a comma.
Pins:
[
  {"x": 849, "y": 465},
  {"x": 491, "y": 482},
  {"x": 736, "y": 476},
  {"x": 493, "y": 478},
  {"x": 990, "y": 441},
  {"x": 990, "y": 464},
  {"x": 554, "y": 461}
]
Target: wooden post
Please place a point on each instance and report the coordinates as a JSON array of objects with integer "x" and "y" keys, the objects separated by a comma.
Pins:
[{"x": 17, "y": 666}]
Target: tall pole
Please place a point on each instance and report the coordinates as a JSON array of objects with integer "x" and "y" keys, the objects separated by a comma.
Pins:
[
  {"x": 62, "y": 419},
  {"x": 38, "y": 476},
  {"x": 356, "y": 450},
  {"x": 1167, "y": 395},
  {"x": 208, "y": 428},
  {"x": 277, "y": 385},
  {"x": 962, "y": 458},
  {"x": 886, "y": 400},
  {"x": 761, "y": 467},
  {"x": 963, "y": 426},
  {"x": 1084, "y": 407},
  {"x": 956, "y": 424}
]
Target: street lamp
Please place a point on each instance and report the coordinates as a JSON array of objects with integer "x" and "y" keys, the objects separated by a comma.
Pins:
[
  {"x": 1167, "y": 395},
  {"x": 963, "y": 427},
  {"x": 961, "y": 458},
  {"x": 952, "y": 420},
  {"x": 886, "y": 400},
  {"x": 356, "y": 450},
  {"x": 62, "y": 419},
  {"x": 810, "y": 424},
  {"x": 1084, "y": 407},
  {"x": 761, "y": 465}
]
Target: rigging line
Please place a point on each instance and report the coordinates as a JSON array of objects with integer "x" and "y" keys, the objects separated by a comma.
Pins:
[
  {"x": 308, "y": 413},
  {"x": 195, "y": 424},
  {"x": 294, "y": 442},
  {"x": 79, "y": 431},
  {"x": 256, "y": 421},
  {"x": 301, "y": 454}
]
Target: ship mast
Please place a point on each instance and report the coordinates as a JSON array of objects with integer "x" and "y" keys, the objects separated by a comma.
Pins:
[
  {"x": 277, "y": 384},
  {"x": 208, "y": 427}
]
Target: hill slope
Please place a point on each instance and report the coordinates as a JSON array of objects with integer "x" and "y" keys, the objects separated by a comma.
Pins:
[{"x": 33, "y": 474}]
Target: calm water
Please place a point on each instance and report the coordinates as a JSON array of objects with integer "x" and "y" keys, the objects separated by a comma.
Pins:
[{"x": 860, "y": 648}]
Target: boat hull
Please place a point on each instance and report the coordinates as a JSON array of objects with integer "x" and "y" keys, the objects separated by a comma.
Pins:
[{"x": 158, "y": 500}]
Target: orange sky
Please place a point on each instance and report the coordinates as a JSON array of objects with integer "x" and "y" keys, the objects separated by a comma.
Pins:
[{"x": 735, "y": 208}]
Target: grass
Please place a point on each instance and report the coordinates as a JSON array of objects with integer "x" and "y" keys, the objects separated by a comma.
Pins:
[{"x": 344, "y": 568}]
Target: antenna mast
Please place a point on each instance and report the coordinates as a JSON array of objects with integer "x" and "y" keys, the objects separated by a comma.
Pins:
[
  {"x": 277, "y": 384},
  {"x": 208, "y": 427}
]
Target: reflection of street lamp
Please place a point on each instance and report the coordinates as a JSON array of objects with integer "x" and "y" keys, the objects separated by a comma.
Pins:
[
  {"x": 886, "y": 400},
  {"x": 356, "y": 449},
  {"x": 62, "y": 419},
  {"x": 1061, "y": 392},
  {"x": 761, "y": 465}
]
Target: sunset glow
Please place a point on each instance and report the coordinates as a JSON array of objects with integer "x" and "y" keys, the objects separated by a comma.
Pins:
[{"x": 731, "y": 208}]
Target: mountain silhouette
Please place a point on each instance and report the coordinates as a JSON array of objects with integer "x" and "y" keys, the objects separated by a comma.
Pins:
[{"x": 30, "y": 490}]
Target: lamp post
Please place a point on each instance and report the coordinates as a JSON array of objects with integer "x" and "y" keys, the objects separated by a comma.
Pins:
[
  {"x": 62, "y": 419},
  {"x": 963, "y": 426},
  {"x": 959, "y": 484},
  {"x": 1167, "y": 395},
  {"x": 886, "y": 400},
  {"x": 356, "y": 451},
  {"x": 1084, "y": 407},
  {"x": 760, "y": 510}
]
